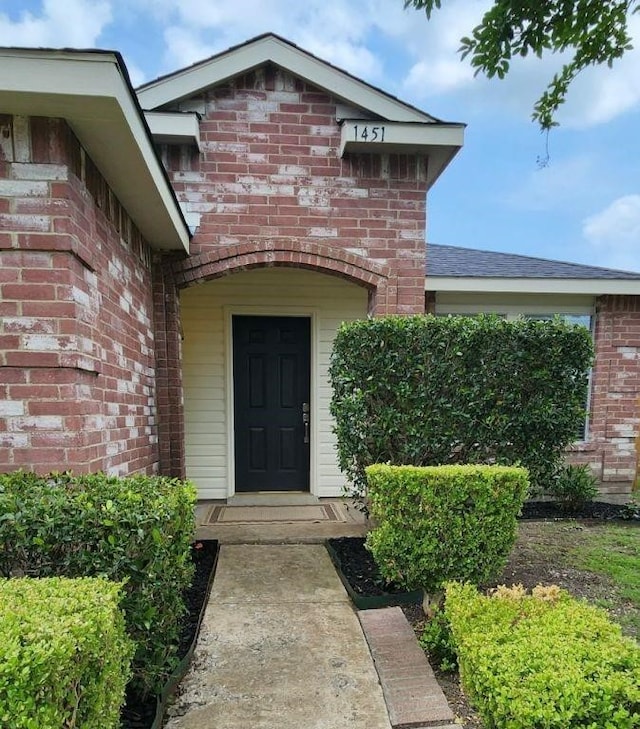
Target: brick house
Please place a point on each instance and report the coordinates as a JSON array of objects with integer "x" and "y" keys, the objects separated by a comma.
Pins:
[{"x": 174, "y": 262}]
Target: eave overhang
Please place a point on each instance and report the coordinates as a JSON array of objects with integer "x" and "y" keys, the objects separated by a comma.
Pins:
[
  {"x": 92, "y": 92},
  {"x": 174, "y": 128},
  {"x": 595, "y": 287},
  {"x": 439, "y": 141},
  {"x": 271, "y": 48}
]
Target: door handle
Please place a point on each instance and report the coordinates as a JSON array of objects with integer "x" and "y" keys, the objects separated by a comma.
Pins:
[{"x": 305, "y": 420}]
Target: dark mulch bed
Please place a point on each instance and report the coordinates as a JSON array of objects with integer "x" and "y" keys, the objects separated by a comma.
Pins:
[
  {"x": 591, "y": 510},
  {"x": 361, "y": 572},
  {"x": 357, "y": 565},
  {"x": 138, "y": 713}
]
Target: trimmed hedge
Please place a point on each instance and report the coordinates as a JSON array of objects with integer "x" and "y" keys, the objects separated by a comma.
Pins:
[
  {"x": 543, "y": 660},
  {"x": 440, "y": 523},
  {"x": 64, "y": 653},
  {"x": 137, "y": 530},
  {"x": 427, "y": 390}
]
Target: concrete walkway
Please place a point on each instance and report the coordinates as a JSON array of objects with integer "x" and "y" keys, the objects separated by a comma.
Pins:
[{"x": 281, "y": 647}]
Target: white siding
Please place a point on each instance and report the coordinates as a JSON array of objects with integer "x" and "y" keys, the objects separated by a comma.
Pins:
[
  {"x": 206, "y": 310},
  {"x": 451, "y": 302}
]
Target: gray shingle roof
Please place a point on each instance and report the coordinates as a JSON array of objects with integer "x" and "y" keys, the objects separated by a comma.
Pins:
[{"x": 454, "y": 262}]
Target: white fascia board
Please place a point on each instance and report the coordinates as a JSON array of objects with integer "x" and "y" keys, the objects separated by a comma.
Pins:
[
  {"x": 595, "y": 287},
  {"x": 439, "y": 142},
  {"x": 357, "y": 135},
  {"x": 89, "y": 91},
  {"x": 174, "y": 128},
  {"x": 243, "y": 59}
]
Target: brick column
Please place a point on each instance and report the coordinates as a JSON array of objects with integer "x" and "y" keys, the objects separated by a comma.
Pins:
[{"x": 168, "y": 353}]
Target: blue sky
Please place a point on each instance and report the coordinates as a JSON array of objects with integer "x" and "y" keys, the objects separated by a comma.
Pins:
[{"x": 583, "y": 206}]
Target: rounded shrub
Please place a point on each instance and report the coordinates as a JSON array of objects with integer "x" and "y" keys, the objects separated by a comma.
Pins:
[{"x": 441, "y": 523}]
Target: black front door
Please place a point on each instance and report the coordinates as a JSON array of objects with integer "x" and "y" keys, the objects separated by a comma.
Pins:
[{"x": 271, "y": 356}]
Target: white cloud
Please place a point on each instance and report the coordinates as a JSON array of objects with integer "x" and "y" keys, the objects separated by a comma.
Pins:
[
  {"x": 185, "y": 47},
  {"x": 614, "y": 233},
  {"x": 335, "y": 30},
  {"x": 434, "y": 45},
  {"x": 437, "y": 76},
  {"x": 73, "y": 23}
]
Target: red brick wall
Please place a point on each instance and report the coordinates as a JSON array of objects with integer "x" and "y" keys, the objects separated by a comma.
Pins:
[
  {"x": 614, "y": 423},
  {"x": 77, "y": 365},
  {"x": 168, "y": 344},
  {"x": 272, "y": 189}
]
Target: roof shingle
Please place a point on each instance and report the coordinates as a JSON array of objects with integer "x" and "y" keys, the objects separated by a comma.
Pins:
[{"x": 454, "y": 262}]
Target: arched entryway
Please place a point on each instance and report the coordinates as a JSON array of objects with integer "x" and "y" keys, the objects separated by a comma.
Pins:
[{"x": 225, "y": 323}]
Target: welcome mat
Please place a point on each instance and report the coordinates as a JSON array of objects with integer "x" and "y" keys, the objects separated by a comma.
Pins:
[{"x": 277, "y": 514}]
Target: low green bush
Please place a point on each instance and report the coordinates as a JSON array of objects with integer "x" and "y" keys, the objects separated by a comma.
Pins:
[
  {"x": 440, "y": 523},
  {"x": 137, "y": 529},
  {"x": 543, "y": 660},
  {"x": 64, "y": 653},
  {"x": 427, "y": 391},
  {"x": 437, "y": 640},
  {"x": 573, "y": 487}
]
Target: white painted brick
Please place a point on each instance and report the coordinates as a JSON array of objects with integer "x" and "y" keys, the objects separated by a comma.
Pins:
[
  {"x": 310, "y": 197},
  {"x": 23, "y": 188},
  {"x": 11, "y": 407},
  {"x": 21, "y": 139},
  {"x": 20, "y": 171},
  {"x": 91, "y": 279},
  {"x": 27, "y": 222},
  {"x": 36, "y": 422},
  {"x": 628, "y": 353},
  {"x": 80, "y": 297},
  {"x": 325, "y": 131},
  {"x": 349, "y": 192},
  {"x": 14, "y": 440},
  {"x": 190, "y": 177},
  {"x": 227, "y": 147},
  {"x": 96, "y": 422},
  {"x": 412, "y": 234},
  {"x": 293, "y": 170},
  {"x": 323, "y": 232},
  {"x": 113, "y": 449},
  {"x": 85, "y": 363},
  {"x": 320, "y": 151},
  {"x": 28, "y": 324},
  {"x": 49, "y": 343},
  {"x": 360, "y": 252},
  {"x": 231, "y": 208}
]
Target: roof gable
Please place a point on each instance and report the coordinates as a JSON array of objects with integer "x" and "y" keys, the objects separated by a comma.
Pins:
[{"x": 271, "y": 48}]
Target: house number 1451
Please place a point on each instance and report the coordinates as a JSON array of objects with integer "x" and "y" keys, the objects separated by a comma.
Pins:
[{"x": 367, "y": 133}]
